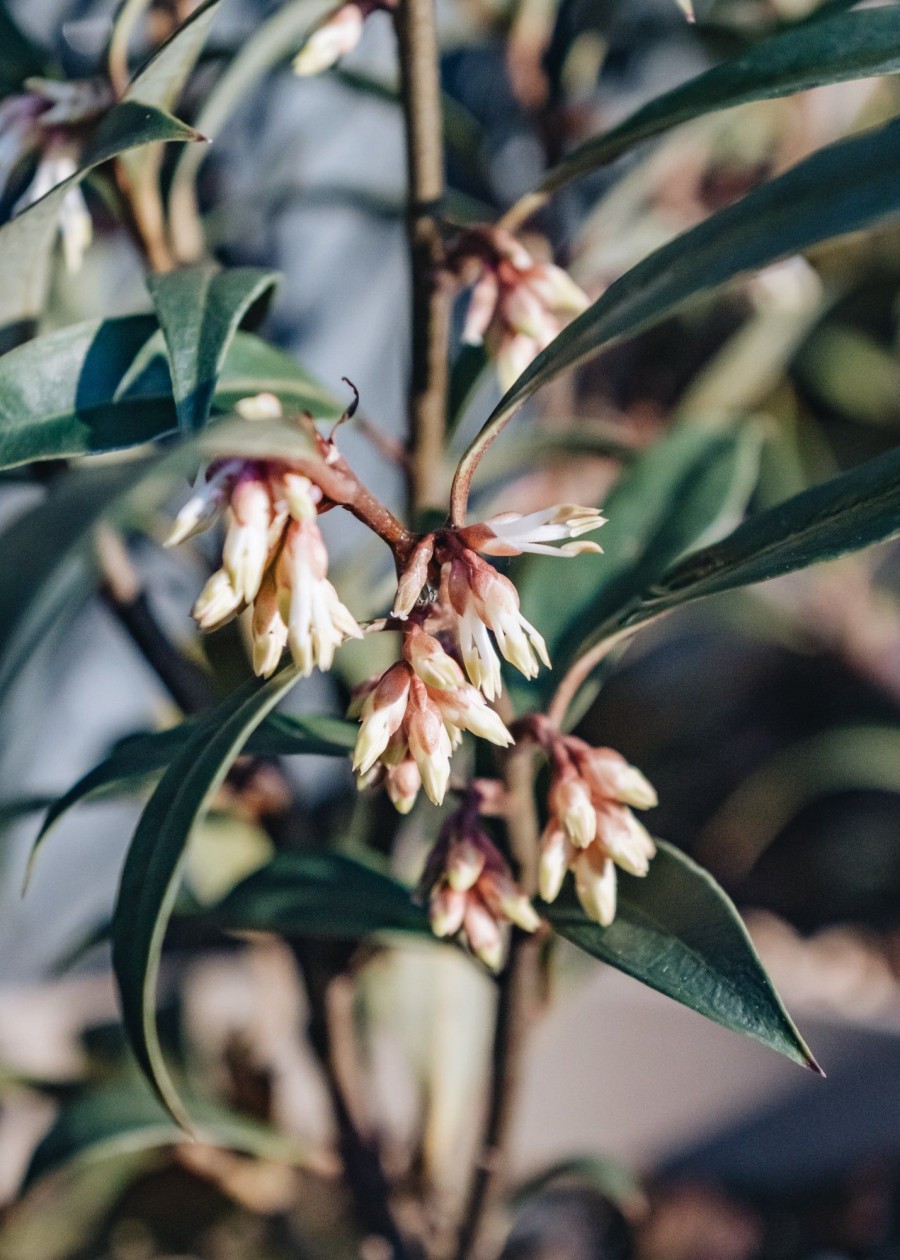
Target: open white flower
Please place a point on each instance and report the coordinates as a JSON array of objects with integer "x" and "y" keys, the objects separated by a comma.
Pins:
[{"x": 511, "y": 533}]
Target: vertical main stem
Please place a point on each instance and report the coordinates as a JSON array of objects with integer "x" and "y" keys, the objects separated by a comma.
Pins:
[{"x": 421, "y": 96}]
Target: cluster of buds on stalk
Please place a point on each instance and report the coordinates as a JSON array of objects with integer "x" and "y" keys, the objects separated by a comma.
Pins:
[
  {"x": 412, "y": 718},
  {"x": 48, "y": 124},
  {"x": 470, "y": 889},
  {"x": 481, "y": 601},
  {"x": 518, "y": 304},
  {"x": 274, "y": 558},
  {"x": 336, "y": 35},
  {"x": 591, "y": 829}
]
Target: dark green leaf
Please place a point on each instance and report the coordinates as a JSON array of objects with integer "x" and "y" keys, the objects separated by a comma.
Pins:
[
  {"x": 105, "y": 385},
  {"x": 845, "y": 514},
  {"x": 26, "y": 241},
  {"x": 122, "y": 1119},
  {"x": 842, "y": 188},
  {"x": 150, "y": 879},
  {"x": 678, "y": 932},
  {"x": 138, "y": 757},
  {"x": 199, "y": 309},
  {"x": 161, "y": 80},
  {"x": 833, "y": 50},
  {"x": 319, "y": 894},
  {"x": 667, "y": 501}
]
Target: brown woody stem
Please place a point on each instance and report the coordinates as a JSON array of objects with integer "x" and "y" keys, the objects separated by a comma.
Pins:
[{"x": 431, "y": 294}]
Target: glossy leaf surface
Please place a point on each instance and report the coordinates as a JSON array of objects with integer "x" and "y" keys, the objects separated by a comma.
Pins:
[{"x": 678, "y": 932}]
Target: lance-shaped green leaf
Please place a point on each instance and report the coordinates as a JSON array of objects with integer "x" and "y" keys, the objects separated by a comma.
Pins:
[
  {"x": 842, "y": 188},
  {"x": 151, "y": 875},
  {"x": 104, "y": 385},
  {"x": 119, "y": 1120},
  {"x": 833, "y": 50},
  {"x": 678, "y": 932},
  {"x": 161, "y": 79},
  {"x": 46, "y": 555},
  {"x": 670, "y": 498},
  {"x": 321, "y": 895},
  {"x": 26, "y": 241},
  {"x": 843, "y": 515},
  {"x": 137, "y": 758},
  {"x": 274, "y": 40},
  {"x": 199, "y": 310}
]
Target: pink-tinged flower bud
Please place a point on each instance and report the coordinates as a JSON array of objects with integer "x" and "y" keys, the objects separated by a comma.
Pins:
[
  {"x": 557, "y": 290},
  {"x": 317, "y": 621},
  {"x": 246, "y": 549},
  {"x": 624, "y": 839},
  {"x": 413, "y": 578},
  {"x": 206, "y": 505},
  {"x": 270, "y": 634},
  {"x": 360, "y": 694},
  {"x": 509, "y": 534},
  {"x": 483, "y": 933},
  {"x": 595, "y": 885},
  {"x": 331, "y": 40},
  {"x": 503, "y": 896},
  {"x": 429, "y": 743},
  {"x": 467, "y": 710},
  {"x": 557, "y": 855},
  {"x": 527, "y": 315},
  {"x": 514, "y": 354},
  {"x": 570, "y": 801},
  {"x": 382, "y": 715},
  {"x": 485, "y": 600},
  {"x": 301, "y": 496},
  {"x": 464, "y": 865},
  {"x": 446, "y": 911},
  {"x": 610, "y": 775},
  {"x": 217, "y": 603},
  {"x": 482, "y": 309},
  {"x": 402, "y": 783},
  {"x": 259, "y": 407},
  {"x": 433, "y": 665}
]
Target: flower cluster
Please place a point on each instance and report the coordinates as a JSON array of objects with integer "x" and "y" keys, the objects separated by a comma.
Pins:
[
  {"x": 47, "y": 122},
  {"x": 273, "y": 559},
  {"x": 471, "y": 891},
  {"x": 484, "y": 602},
  {"x": 591, "y": 829},
  {"x": 412, "y": 717},
  {"x": 336, "y": 35},
  {"x": 518, "y": 305}
]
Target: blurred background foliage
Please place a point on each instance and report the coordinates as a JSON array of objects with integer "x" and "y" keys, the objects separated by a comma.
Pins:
[{"x": 766, "y": 718}]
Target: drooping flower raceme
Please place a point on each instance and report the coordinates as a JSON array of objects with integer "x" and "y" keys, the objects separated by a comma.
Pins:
[
  {"x": 48, "y": 121},
  {"x": 591, "y": 829},
  {"x": 471, "y": 891},
  {"x": 273, "y": 559},
  {"x": 518, "y": 305},
  {"x": 415, "y": 712},
  {"x": 484, "y": 602}
]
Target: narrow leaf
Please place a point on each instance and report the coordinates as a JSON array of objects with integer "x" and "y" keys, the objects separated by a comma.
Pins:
[
  {"x": 160, "y": 80},
  {"x": 27, "y": 240},
  {"x": 321, "y": 895},
  {"x": 841, "y": 188},
  {"x": 843, "y": 515},
  {"x": 678, "y": 932},
  {"x": 848, "y": 46},
  {"x": 669, "y": 499},
  {"x": 104, "y": 385},
  {"x": 138, "y": 757},
  {"x": 121, "y": 1120},
  {"x": 151, "y": 875},
  {"x": 199, "y": 309}
]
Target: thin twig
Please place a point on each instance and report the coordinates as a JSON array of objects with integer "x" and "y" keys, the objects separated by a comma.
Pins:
[
  {"x": 516, "y": 1003},
  {"x": 431, "y": 294}
]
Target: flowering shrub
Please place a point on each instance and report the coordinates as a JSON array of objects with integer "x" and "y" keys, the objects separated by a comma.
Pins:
[{"x": 509, "y": 830}]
